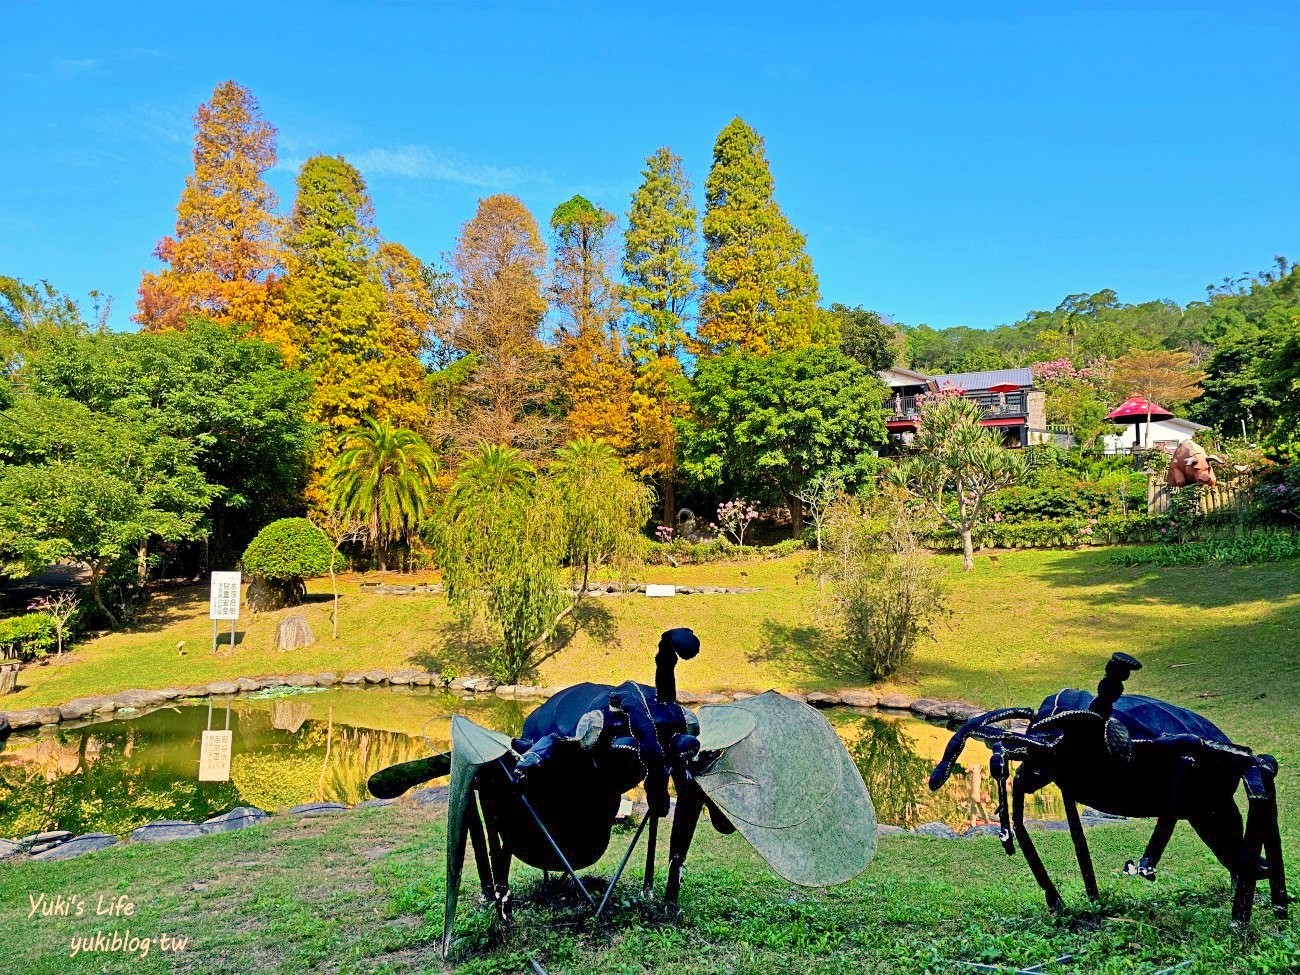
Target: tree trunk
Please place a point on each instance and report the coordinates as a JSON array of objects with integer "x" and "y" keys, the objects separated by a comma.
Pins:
[
  {"x": 967, "y": 550},
  {"x": 142, "y": 561},
  {"x": 796, "y": 514},
  {"x": 95, "y": 571},
  {"x": 670, "y": 501}
]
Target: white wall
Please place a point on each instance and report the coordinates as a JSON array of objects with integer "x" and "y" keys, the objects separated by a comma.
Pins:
[{"x": 1161, "y": 430}]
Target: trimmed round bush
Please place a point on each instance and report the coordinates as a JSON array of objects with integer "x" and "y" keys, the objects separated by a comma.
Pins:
[{"x": 286, "y": 553}]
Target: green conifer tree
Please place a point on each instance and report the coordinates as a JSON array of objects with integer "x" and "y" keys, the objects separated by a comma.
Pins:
[
  {"x": 336, "y": 302},
  {"x": 761, "y": 291},
  {"x": 660, "y": 267}
]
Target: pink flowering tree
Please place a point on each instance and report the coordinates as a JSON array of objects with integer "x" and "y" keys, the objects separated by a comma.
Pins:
[
  {"x": 735, "y": 516},
  {"x": 1076, "y": 395}
]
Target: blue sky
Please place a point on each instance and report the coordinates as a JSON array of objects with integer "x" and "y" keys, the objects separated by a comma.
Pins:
[{"x": 959, "y": 165}]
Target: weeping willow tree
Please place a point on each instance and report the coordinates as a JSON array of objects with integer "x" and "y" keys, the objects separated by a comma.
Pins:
[{"x": 506, "y": 533}]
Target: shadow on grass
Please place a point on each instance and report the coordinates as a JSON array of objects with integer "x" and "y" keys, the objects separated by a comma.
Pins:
[
  {"x": 465, "y": 646},
  {"x": 1204, "y": 586}
]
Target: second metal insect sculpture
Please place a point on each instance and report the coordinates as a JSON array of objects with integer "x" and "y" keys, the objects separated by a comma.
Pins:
[
  {"x": 1136, "y": 756},
  {"x": 769, "y": 767}
]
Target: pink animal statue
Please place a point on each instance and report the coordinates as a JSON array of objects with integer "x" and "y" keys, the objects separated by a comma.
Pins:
[{"x": 1191, "y": 465}]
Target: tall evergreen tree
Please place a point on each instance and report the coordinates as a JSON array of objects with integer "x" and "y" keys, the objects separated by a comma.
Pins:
[
  {"x": 761, "y": 293},
  {"x": 222, "y": 261},
  {"x": 597, "y": 377},
  {"x": 502, "y": 392},
  {"x": 335, "y": 299},
  {"x": 660, "y": 267}
]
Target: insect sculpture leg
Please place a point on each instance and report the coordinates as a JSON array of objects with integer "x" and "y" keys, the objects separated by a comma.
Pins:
[
  {"x": 500, "y": 851},
  {"x": 652, "y": 842},
  {"x": 690, "y": 802},
  {"x": 1273, "y": 841},
  {"x": 1027, "y": 847},
  {"x": 999, "y": 771},
  {"x": 1080, "y": 846},
  {"x": 1164, "y": 831},
  {"x": 1261, "y": 835}
]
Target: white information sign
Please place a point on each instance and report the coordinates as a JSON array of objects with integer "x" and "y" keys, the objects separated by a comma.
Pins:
[
  {"x": 652, "y": 589},
  {"x": 224, "y": 601},
  {"x": 214, "y": 756}
]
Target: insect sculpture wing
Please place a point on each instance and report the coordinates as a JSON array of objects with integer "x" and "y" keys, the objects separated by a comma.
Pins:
[
  {"x": 472, "y": 747},
  {"x": 787, "y": 783}
]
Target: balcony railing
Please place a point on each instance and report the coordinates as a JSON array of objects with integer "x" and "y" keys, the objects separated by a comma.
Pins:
[{"x": 994, "y": 404}]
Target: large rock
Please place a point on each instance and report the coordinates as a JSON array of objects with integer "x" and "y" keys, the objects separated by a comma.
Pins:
[
  {"x": 238, "y": 818},
  {"x": 375, "y": 675},
  {"x": 248, "y": 684},
  {"x": 353, "y": 677},
  {"x": 859, "y": 699},
  {"x": 317, "y": 808},
  {"x": 404, "y": 676},
  {"x": 77, "y": 846},
  {"x": 824, "y": 699},
  {"x": 940, "y": 831},
  {"x": 80, "y": 707},
  {"x": 433, "y": 796},
  {"x": 169, "y": 693},
  {"x": 963, "y": 710},
  {"x": 223, "y": 687},
  {"x": 327, "y": 679},
  {"x": 198, "y": 690},
  {"x": 138, "y": 699},
  {"x": 33, "y": 718},
  {"x": 885, "y": 829},
  {"x": 293, "y": 632},
  {"x": 166, "y": 830},
  {"x": 9, "y": 849},
  {"x": 928, "y": 707},
  {"x": 896, "y": 702},
  {"x": 299, "y": 680}
]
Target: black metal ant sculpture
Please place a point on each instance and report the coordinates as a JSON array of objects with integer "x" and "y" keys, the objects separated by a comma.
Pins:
[
  {"x": 768, "y": 766},
  {"x": 1136, "y": 756}
]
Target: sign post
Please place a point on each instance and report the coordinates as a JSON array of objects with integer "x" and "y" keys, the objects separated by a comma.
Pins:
[{"x": 223, "y": 603}]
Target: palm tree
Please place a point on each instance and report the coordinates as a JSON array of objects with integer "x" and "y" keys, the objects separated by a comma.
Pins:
[
  {"x": 383, "y": 477},
  {"x": 494, "y": 472}
]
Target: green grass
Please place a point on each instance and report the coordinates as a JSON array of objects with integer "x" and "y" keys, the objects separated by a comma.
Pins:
[
  {"x": 362, "y": 892},
  {"x": 1222, "y": 639}
]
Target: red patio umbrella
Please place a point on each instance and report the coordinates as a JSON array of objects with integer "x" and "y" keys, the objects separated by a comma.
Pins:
[
  {"x": 1002, "y": 389},
  {"x": 1134, "y": 410}
]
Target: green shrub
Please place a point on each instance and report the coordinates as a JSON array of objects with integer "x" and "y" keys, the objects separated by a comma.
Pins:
[
  {"x": 26, "y": 637},
  {"x": 287, "y": 552},
  {"x": 681, "y": 552},
  {"x": 1257, "y": 546}
]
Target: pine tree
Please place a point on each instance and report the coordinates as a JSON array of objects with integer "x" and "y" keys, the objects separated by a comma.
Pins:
[
  {"x": 659, "y": 264},
  {"x": 363, "y": 366},
  {"x": 761, "y": 290},
  {"x": 502, "y": 392},
  {"x": 222, "y": 262},
  {"x": 596, "y": 375}
]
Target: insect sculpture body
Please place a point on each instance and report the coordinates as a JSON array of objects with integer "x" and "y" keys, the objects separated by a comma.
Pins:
[
  {"x": 1134, "y": 756},
  {"x": 768, "y": 766}
]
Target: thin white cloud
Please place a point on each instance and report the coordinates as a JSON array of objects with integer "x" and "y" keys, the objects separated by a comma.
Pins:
[
  {"x": 424, "y": 162},
  {"x": 76, "y": 65}
]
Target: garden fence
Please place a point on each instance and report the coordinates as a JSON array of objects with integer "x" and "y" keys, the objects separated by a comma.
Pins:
[{"x": 1221, "y": 497}]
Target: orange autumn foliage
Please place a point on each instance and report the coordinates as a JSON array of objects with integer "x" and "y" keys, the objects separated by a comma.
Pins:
[{"x": 223, "y": 260}]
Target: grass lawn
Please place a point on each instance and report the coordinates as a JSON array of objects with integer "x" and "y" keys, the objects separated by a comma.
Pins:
[{"x": 363, "y": 892}]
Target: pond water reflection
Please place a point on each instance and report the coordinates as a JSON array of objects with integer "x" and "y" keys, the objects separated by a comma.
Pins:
[{"x": 114, "y": 775}]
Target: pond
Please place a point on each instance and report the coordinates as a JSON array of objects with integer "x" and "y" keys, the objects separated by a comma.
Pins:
[{"x": 301, "y": 745}]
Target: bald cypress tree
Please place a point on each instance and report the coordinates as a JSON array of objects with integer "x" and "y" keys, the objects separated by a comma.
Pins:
[
  {"x": 660, "y": 266},
  {"x": 761, "y": 291},
  {"x": 338, "y": 308},
  {"x": 221, "y": 263}
]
